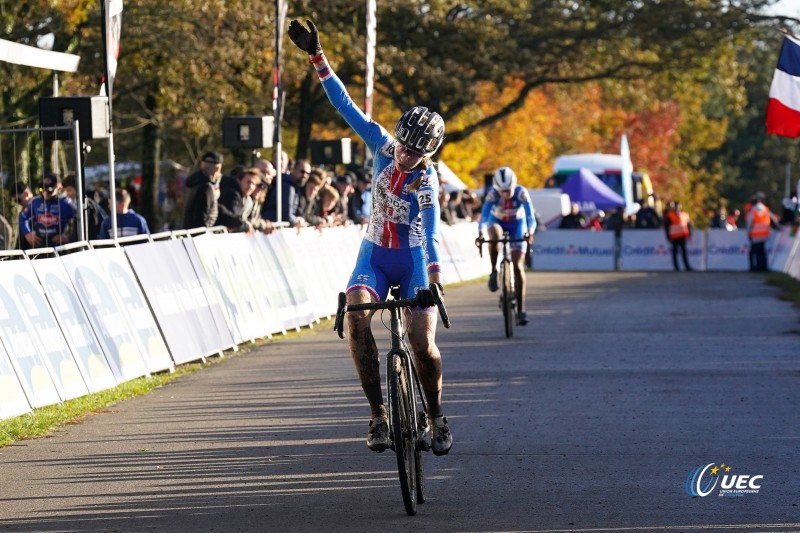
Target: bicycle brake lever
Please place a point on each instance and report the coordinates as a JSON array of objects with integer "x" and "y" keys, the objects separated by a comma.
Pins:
[
  {"x": 338, "y": 324},
  {"x": 436, "y": 292}
]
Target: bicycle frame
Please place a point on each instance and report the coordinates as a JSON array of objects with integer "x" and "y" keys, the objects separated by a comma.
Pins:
[{"x": 399, "y": 348}]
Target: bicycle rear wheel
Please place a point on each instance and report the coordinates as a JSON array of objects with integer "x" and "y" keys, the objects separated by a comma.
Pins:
[
  {"x": 402, "y": 431},
  {"x": 508, "y": 298}
]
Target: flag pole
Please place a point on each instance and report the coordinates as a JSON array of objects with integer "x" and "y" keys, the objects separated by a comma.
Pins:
[
  {"x": 370, "y": 62},
  {"x": 277, "y": 106},
  {"x": 112, "y": 184},
  {"x": 370, "y": 57},
  {"x": 111, "y": 14}
]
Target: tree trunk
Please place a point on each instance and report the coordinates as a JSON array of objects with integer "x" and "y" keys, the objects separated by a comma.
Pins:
[
  {"x": 306, "y": 114},
  {"x": 151, "y": 155}
]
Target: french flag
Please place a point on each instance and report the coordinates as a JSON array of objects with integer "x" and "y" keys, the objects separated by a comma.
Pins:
[{"x": 783, "y": 108}]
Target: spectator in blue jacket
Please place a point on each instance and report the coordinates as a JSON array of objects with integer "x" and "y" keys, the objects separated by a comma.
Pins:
[
  {"x": 288, "y": 202},
  {"x": 129, "y": 222},
  {"x": 44, "y": 220}
]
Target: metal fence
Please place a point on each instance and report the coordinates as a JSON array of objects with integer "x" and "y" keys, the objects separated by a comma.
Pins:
[{"x": 23, "y": 159}]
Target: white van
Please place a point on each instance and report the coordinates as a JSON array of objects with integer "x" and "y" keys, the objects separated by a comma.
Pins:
[{"x": 607, "y": 167}]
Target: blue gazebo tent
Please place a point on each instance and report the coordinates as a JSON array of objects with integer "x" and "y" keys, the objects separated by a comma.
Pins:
[{"x": 587, "y": 190}]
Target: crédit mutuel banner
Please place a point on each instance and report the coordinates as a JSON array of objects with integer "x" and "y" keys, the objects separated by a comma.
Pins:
[{"x": 574, "y": 250}]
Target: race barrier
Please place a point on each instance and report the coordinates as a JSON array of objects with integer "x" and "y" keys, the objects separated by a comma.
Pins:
[
  {"x": 85, "y": 317},
  {"x": 573, "y": 250}
]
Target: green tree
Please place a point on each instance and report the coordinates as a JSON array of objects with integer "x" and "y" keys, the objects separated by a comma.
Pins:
[{"x": 31, "y": 23}]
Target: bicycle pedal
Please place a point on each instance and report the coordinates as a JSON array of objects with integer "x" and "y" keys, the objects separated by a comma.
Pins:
[{"x": 424, "y": 441}]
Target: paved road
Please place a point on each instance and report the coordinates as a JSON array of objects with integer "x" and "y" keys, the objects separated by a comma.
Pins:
[{"x": 590, "y": 418}]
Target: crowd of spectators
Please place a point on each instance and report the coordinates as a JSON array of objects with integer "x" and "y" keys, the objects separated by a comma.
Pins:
[{"x": 245, "y": 199}]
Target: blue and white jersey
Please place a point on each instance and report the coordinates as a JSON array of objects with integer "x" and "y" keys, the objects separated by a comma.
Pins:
[
  {"x": 514, "y": 210},
  {"x": 405, "y": 205}
]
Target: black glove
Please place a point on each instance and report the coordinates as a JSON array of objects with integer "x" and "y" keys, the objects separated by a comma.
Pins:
[
  {"x": 305, "y": 39},
  {"x": 425, "y": 298}
]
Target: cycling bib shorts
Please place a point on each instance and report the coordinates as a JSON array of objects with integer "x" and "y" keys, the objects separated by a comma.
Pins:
[
  {"x": 378, "y": 268},
  {"x": 515, "y": 229}
]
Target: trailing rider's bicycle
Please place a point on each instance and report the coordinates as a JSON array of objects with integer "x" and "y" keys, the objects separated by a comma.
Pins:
[
  {"x": 508, "y": 296},
  {"x": 409, "y": 429}
]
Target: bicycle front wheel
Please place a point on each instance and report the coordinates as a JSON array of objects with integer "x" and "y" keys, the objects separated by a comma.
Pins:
[
  {"x": 403, "y": 431},
  {"x": 508, "y": 298},
  {"x": 422, "y": 420}
]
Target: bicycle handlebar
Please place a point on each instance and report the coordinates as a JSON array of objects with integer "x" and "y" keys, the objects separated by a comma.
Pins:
[
  {"x": 432, "y": 293},
  {"x": 479, "y": 242}
]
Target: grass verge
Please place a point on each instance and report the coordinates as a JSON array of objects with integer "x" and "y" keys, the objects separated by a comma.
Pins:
[
  {"x": 43, "y": 421},
  {"x": 790, "y": 287}
]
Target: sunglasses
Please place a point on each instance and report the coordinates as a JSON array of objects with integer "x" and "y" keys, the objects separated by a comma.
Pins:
[{"x": 410, "y": 152}]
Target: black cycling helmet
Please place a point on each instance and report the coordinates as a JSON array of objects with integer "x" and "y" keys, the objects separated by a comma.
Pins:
[{"x": 420, "y": 130}]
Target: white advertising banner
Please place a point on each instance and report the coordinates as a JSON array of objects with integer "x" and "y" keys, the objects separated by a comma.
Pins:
[
  {"x": 460, "y": 241},
  {"x": 176, "y": 298},
  {"x": 135, "y": 308},
  {"x": 646, "y": 249},
  {"x": 45, "y": 330},
  {"x": 574, "y": 250},
  {"x": 29, "y": 364},
  {"x": 99, "y": 372},
  {"x": 12, "y": 397},
  {"x": 313, "y": 266},
  {"x": 782, "y": 244},
  {"x": 649, "y": 250},
  {"x": 281, "y": 247},
  {"x": 211, "y": 327},
  {"x": 330, "y": 273},
  {"x": 222, "y": 258},
  {"x": 728, "y": 250},
  {"x": 275, "y": 284},
  {"x": 251, "y": 270},
  {"x": 343, "y": 252},
  {"x": 218, "y": 278},
  {"x": 793, "y": 263},
  {"x": 223, "y": 331},
  {"x": 447, "y": 254},
  {"x": 107, "y": 319}
]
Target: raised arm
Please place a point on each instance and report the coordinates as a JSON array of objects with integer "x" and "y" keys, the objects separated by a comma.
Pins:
[{"x": 308, "y": 40}]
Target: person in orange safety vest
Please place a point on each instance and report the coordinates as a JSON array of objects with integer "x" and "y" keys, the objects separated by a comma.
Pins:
[
  {"x": 759, "y": 222},
  {"x": 678, "y": 227}
]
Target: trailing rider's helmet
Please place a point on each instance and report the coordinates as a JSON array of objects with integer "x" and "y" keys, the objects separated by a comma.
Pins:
[
  {"x": 420, "y": 130},
  {"x": 504, "y": 179}
]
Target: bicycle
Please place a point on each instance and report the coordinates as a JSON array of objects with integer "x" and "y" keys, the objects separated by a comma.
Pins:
[
  {"x": 508, "y": 296},
  {"x": 409, "y": 429}
]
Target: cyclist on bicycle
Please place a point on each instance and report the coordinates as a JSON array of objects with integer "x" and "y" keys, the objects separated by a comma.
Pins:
[
  {"x": 401, "y": 244},
  {"x": 508, "y": 208}
]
